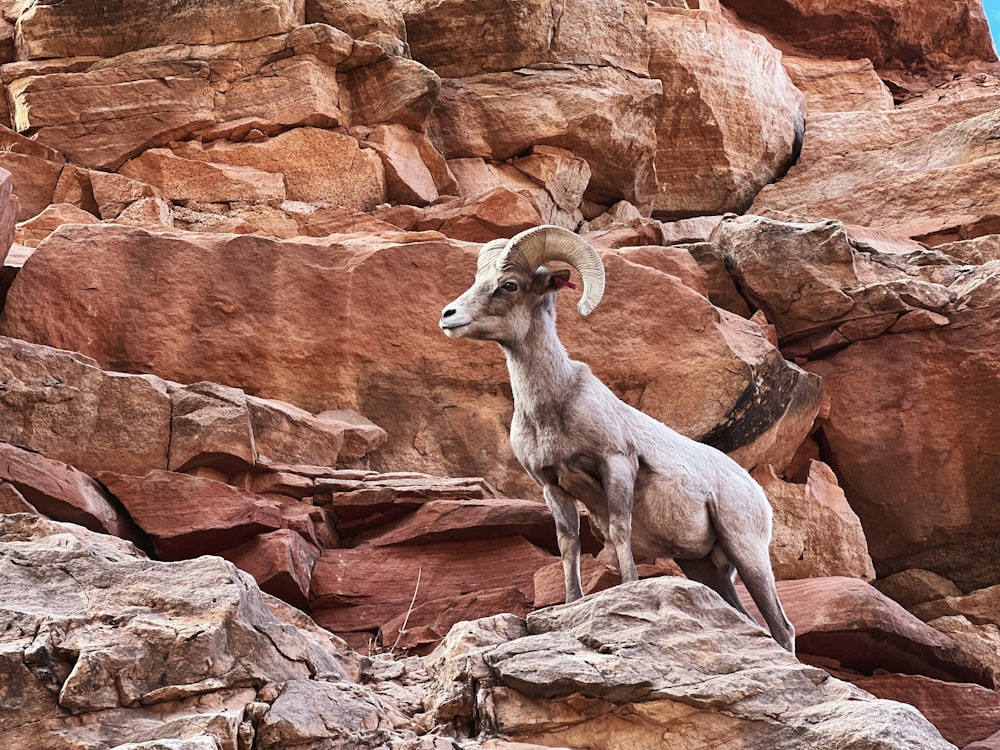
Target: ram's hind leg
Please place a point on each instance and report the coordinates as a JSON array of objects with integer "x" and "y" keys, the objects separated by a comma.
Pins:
[
  {"x": 754, "y": 567},
  {"x": 719, "y": 579}
]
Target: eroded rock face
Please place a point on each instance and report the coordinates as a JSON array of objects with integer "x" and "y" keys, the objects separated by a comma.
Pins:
[
  {"x": 63, "y": 405},
  {"x": 512, "y": 35},
  {"x": 895, "y": 186},
  {"x": 604, "y": 115},
  {"x": 631, "y": 665},
  {"x": 92, "y": 28},
  {"x": 335, "y": 333},
  {"x": 730, "y": 120},
  {"x": 891, "y": 33}
]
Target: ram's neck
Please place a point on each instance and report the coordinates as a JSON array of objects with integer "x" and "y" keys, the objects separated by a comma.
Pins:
[{"x": 541, "y": 372}]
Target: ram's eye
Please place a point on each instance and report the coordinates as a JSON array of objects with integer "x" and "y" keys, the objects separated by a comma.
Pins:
[{"x": 510, "y": 286}]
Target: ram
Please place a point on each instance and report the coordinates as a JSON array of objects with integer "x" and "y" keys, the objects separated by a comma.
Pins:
[{"x": 650, "y": 491}]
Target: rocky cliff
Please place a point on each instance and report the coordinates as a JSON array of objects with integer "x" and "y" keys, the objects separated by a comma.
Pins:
[{"x": 252, "y": 499}]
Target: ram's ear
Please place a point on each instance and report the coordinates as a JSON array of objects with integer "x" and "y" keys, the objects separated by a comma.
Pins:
[{"x": 550, "y": 280}]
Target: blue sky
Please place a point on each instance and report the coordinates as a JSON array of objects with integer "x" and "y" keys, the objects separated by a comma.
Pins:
[{"x": 992, "y": 8}]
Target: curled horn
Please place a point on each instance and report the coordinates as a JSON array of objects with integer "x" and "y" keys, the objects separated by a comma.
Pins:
[{"x": 540, "y": 245}]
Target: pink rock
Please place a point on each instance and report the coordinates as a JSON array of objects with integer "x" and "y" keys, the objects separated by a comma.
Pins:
[
  {"x": 8, "y": 213},
  {"x": 35, "y": 170},
  {"x": 187, "y": 516},
  {"x": 181, "y": 179},
  {"x": 88, "y": 28},
  {"x": 468, "y": 520},
  {"x": 602, "y": 115},
  {"x": 61, "y": 493},
  {"x": 522, "y": 35},
  {"x": 963, "y": 713},
  {"x": 91, "y": 419},
  {"x": 848, "y": 620},
  {"x": 357, "y": 591},
  {"x": 36, "y": 229},
  {"x": 816, "y": 533},
  {"x": 888, "y": 32},
  {"x": 316, "y": 165},
  {"x": 281, "y": 562},
  {"x": 729, "y": 121},
  {"x": 421, "y": 629}
]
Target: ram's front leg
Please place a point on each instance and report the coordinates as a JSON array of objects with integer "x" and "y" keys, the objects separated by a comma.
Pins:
[
  {"x": 618, "y": 475},
  {"x": 567, "y": 518}
]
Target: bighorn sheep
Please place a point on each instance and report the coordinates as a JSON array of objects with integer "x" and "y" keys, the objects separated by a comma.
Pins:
[{"x": 646, "y": 487}]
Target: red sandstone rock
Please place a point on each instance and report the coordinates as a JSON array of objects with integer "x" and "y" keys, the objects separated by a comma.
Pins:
[
  {"x": 498, "y": 213},
  {"x": 596, "y": 573},
  {"x": 525, "y": 34},
  {"x": 372, "y": 19},
  {"x": 89, "y": 28},
  {"x": 61, "y": 492},
  {"x": 892, "y": 33},
  {"x": 186, "y": 516},
  {"x": 895, "y": 187},
  {"x": 816, "y": 533},
  {"x": 12, "y": 501},
  {"x": 36, "y": 229},
  {"x": 390, "y": 90},
  {"x": 743, "y": 119},
  {"x": 316, "y": 165},
  {"x": 35, "y": 170},
  {"x": 8, "y": 213},
  {"x": 64, "y": 406},
  {"x": 930, "y": 389},
  {"x": 850, "y": 621},
  {"x": 281, "y": 562},
  {"x": 838, "y": 85},
  {"x": 588, "y": 112},
  {"x": 421, "y": 629},
  {"x": 359, "y": 590},
  {"x": 963, "y": 713},
  {"x": 181, "y": 179},
  {"x": 467, "y": 520}
]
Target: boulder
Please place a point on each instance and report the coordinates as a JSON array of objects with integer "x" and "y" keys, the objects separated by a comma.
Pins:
[
  {"x": 236, "y": 91},
  {"x": 841, "y": 284},
  {"x": 931, "y": 389},
  {"x": 337, "y": 333},
  {"x": 592, "y": 673},
  {"x": 838, "y": 85},
  {"x": 390, "y": 90},
  {"x": 816, "y": 533},
  {"x": 913, "y": 587},
  {"x": 891, "y": 33},
  {"x": 896, "y": 187},
  {"x": 281, "y": 562},
  {"x": 519, "y": 34},
  {"x": 62, "y": 493},
  {"x": 179, "y": 179},
  {"x": 35, "y": 169},
  {"x": 373, "y": 20},
  {"x": 63, "y": 405},
  {"x": 8, "y": 213},
  {"x": 32, "y": 231},
  {"x": 729, "y": 122},
  {"x": 603, "y": 115},
  {"x": 314, "y": 164},
  {"x": 356, "y": 592},
  {"x": 415, "y": 173},
  {"x": 120, "y": 651},
  {"x": 187, "y": 516},
  {"x": 501, "y": 212},
  {"x": 963, "y": 713},
  {"x": 90, "y": 28},
  {"x": 850, "y": 622}
]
